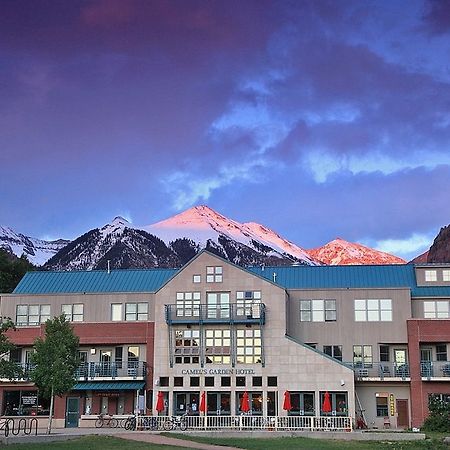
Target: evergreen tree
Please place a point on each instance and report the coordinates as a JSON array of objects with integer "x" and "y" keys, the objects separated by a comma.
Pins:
[
  {"x": 12, "y": 269},
  {"x": 55, "y": 361}
]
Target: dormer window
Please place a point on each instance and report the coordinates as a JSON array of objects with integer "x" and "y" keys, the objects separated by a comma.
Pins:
[{"x": 430, "y": 275}]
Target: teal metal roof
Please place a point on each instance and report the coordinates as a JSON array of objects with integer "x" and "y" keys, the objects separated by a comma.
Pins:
[
  {"x": 94, "y": 281},
  {"x": 342, "y": 277},
  {"x": 108, "y": 386}
]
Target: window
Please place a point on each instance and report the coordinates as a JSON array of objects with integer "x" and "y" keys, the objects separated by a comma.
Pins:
[
  {"x": 338, "y": 401},
  {"x": 373, "y": 310},
  {"x": 116, "y": 312},
  {"x": 382, "y": 406},
  {"x": 335, "y": 351},
  {"x": 32, "y": 314},
  {"x": 164, "y": 381},
  {"x": 247, "y": 303},
  {"x": 194, "y": 381},
  {"x": 209, "y": 381},
  {"x": 214, "y": 274},
  {"x": 257, "y": 381},
  {"x": 317, "y": 310},
  {"x": 441, "y": 352},
  {"x": 430, "y": 275},
  {"x": 384, "y": 353},
  {"x": 446, "y": 275},
  {"x": 24, "y": 403},
  {"x": 272, "y": 381},
  {"x": 178, "y": 381},
  {"x": 188, "y": 304},
  {"x": 436, "y": 309},
  {"x": 248, "y": 346},
  {"x": 118, "y": 357},
  {"x": 136, "y": 311},
  {"x": 197, "y": 279},
  {"x": 187, "y": 346},
  {"x": 73, "y": 313},
  {"x": 218, "y": 346},
  {"x": 218, "y": 305},
  {"x": 240, "y": 381},
  {"x": 302, "y": 404},
  {"x": 225, "y": 381},
  {"x": 362, "y": 356}
]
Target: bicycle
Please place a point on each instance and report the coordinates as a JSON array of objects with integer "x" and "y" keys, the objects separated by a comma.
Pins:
[
  {"x": 106, "y": 420},
  {"x": 130, "y": 423},
  {"x": 175, "y": 422}
]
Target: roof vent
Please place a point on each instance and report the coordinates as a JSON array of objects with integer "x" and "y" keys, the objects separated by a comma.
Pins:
[
  {"x": 108, "y": 266},
  {"x": 274, "y": 277}
]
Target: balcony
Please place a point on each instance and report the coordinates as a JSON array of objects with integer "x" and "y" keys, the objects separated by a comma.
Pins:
[
  {"x": 219, "y": 315},
  {"x": 379, "y": 371},
  {"x": 136, "y": 370},
  {"x": 435, "y": 370}
]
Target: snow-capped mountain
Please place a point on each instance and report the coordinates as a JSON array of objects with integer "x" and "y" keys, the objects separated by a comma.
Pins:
[
  {"x": 37, "y": 251},
  {"x": 341, "y": 252},
  {"x": 203, "y": 225},
  {"x": 173, "y": 242}
]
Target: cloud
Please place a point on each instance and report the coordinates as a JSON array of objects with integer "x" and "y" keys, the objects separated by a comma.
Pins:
[
  {"x": 323, "y": 165},
  {"x": 407, "y": 248}
]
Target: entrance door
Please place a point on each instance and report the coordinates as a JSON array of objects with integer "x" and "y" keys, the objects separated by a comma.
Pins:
[
  {"x": 426, "y": 365},
  {"x": 105, "y": 363},
  {"x": 401, "y": 366},
  {"x": 72, "y": 412},
  {"x": 403, "y": 415}
]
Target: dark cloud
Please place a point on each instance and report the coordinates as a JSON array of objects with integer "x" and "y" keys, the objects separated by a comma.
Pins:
[{"x": 436, "y": 17}]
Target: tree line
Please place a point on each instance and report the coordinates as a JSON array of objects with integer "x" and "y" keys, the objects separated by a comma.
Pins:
[{"x": 12, "y": 269}]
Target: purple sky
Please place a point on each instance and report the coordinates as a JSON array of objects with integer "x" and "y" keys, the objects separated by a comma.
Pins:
[{"x": 315, "y": 118}]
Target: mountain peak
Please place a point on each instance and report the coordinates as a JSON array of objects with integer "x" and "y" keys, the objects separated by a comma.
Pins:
[
  {"x": 341, "y": 252},
  {"x": 119, "y": 220}
]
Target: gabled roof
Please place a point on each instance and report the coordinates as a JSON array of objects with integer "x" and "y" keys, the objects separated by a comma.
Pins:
[{"x": 94, "y": 281}]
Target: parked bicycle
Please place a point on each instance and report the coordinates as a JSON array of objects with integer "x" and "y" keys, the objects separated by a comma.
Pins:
[
  {"x": 105, "y": 420},
  {"x": 130, "y": 423},
  {"x": 176, "y": 422}
]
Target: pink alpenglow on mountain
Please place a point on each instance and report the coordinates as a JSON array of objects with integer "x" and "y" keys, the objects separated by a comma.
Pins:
[
  {"x": 201, "y": 223},
  {"x": 341, "y": 252}
]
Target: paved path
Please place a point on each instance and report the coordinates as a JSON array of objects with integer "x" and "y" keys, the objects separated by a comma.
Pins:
[{"x": 164, "y": 440}]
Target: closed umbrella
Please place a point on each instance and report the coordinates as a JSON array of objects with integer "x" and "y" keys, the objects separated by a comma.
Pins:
[
  {"x": 287, "y": 401},
  {"x": 326, "y": 406},
  {"x": 245, "y": 406},
  {"x": 203, "y": 402},
  {"x": 160, "y": 402}
]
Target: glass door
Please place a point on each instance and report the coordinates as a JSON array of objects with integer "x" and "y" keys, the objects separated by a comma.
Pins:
[
  {"x": 218, "y": 305},
  {"x": 426, "y": 364},
  {"x": 105, "y": 363},
  {"x": 401, "y": 365}
]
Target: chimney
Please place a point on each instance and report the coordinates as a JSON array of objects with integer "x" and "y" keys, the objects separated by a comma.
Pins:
[{"x": 109, "y": 268}]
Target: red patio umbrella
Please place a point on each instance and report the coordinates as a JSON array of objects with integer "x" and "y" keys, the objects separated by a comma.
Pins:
[
  {"x": 326, "y": 406},
  {"x": 160, "y": 402},
  {"x": 287, "y": 401},
  {"x": 203, "y": 402},
  {"x": 245, "y": 405}
]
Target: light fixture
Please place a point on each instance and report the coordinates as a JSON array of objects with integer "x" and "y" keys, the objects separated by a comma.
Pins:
[{"x": 93, "y": 350}]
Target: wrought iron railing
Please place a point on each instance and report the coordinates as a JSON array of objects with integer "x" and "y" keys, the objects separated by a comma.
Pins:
[
  {"x": 380, "y": 370},
  {"x": 233, "y": 313},
  {"x": 93, "y": 370},
  {"x": 434, "y": 369}
]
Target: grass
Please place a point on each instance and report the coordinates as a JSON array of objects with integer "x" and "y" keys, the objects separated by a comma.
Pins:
[
  {"x": 93, "y": 443},
  {"x": 297, "y": 443},
  {"x": 286, "y": 443}
]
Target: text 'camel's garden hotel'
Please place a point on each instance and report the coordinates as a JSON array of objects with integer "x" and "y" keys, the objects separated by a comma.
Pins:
[{"x": 330, "y": 341}]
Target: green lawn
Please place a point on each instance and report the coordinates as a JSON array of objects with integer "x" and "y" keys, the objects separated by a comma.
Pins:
[
  {"x": 284, "y": 443},
  {"x": 294, "y": 443},
  {"x": 92, "y": 443}
]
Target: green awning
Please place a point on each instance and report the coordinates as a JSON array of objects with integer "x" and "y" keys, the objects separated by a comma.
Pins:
[{"x": 109, "y": 386}]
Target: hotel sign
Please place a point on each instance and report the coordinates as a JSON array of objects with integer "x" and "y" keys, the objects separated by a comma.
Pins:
[
  {"x": 391, "y": 405},
  {"x": 218, "y": 371}
]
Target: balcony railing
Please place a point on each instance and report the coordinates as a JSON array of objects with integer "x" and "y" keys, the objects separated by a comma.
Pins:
[
  {"x": 434, "y": 369},
  {"x": 380, "y": 370},
  {"x": 218, "y": 314},
  {"x": 113, "y": 370}
]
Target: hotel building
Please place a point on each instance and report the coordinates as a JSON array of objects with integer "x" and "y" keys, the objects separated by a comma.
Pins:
[{"x": 374, "y": 339}]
